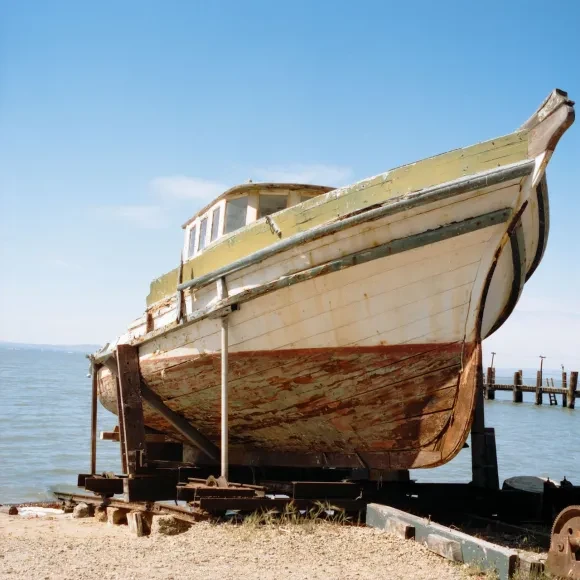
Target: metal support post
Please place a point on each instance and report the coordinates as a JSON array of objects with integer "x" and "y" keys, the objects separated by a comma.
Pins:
[
  {"x": 94, "y": 371},
  {"x": 224, "y": 441}
]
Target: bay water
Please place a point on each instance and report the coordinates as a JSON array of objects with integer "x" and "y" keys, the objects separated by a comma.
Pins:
[{"x": 45, "y": 400}]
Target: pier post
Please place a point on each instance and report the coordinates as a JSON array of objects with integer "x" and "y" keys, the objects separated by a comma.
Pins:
[
  {"x": 489, "y": 382},
  {"x": 539, "y": 391},
  {"x": 572, "y": 389},
  {"x": 484, "y": 470},
  {"x": 517, "y": 392},
  {"x": 565, "y": 388}
]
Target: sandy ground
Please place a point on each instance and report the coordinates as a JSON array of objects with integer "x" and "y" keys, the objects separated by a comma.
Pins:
[{"x": 65, "y": 548}]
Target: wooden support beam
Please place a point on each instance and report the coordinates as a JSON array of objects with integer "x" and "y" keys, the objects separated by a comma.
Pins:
[
  {"x": 120, "y": 416},
  {"x": 572, "y": 389},
  {"x": 181, "y": 424},
  {"x": 447, "y": 542},
  {"x": 131, "y": 407},
  {"x": 104, "y": 485},
  {"x": 250, "y": 504},
  {"x": 153, "y": 488}
]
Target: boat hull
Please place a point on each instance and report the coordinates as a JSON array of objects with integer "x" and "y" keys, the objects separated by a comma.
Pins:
[{"x": 355, "y": 319}]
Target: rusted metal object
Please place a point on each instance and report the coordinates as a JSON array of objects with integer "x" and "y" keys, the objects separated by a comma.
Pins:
[{"x": 564, "y": 555}]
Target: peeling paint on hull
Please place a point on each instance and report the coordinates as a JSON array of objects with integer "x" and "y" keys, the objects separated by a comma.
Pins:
[{"x": 382, "y": 406}]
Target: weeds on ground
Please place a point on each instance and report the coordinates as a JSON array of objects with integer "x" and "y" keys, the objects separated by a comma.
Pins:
[
  {"x": 291, "y": 516},
  {"x": 477, "y": 571}
]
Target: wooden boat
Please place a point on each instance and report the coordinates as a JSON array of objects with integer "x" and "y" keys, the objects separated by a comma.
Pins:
[{"x": 355, "y": 315}]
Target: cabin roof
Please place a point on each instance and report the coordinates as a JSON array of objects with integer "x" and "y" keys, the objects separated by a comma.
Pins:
[{"x": 248, "y": 187}]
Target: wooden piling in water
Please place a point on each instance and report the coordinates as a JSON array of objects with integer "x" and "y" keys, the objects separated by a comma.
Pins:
[
  {"x": 539, "y": 391},
  {"x": 517, "y": 392},
  {"x": 489, "y": 382},
  {"x": 565, "y": 387},
  {"x": 572, "y": 389}
]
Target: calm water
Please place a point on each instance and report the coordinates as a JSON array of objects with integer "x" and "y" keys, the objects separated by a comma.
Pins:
[{"x": 45, "y": 430}]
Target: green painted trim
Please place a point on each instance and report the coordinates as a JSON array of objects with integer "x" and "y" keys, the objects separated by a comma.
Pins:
[{"x": 347, "y": 201}]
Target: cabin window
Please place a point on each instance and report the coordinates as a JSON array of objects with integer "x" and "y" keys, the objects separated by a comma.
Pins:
[
  {"x": 215, "y": 223},
  {"x": 236, "y": 210},
  {"x": 271, "y": 204},
  {"x": 191, "y": 249},
  {"x": 304, "y": 198},
  {"x": 202, "y": 234}
]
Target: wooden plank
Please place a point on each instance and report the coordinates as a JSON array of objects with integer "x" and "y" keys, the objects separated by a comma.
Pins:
[
  {"x": 153, "y": 488},
  {"x": 131, "y": 407},
  {"x": 193, "y": 493},
  {"x": 325, "y": 490},
  {"x": 104, "y": 485},
  {"x": 213, "y": 504},
  {"x": 121, "y": 418},
  {"x": 449, "y": 543}
]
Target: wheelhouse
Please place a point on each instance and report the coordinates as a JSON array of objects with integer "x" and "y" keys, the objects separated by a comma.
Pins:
[{"x": 239, "y": 206}]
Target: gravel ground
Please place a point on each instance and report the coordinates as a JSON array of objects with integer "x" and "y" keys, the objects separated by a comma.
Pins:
[{"x": 81, "y": 549}]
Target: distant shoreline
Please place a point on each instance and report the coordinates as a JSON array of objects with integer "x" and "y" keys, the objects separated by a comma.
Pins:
[{"x": 82, "y": 348}]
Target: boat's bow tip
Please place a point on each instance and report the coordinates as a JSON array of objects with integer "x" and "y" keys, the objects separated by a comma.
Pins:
[{"x": 550, "y": 121}]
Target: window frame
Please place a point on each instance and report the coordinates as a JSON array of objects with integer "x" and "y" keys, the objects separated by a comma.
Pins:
[{"x": 285, "y": 194}]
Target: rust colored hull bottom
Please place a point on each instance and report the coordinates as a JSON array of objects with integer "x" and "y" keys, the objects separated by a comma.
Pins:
[{"x": 384, "y": 407}]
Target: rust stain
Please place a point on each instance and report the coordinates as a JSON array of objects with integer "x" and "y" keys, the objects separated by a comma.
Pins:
[{"x": 378, "y": 401}]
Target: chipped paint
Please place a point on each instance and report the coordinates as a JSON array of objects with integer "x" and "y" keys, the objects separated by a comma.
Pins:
[{"x": 374, "y": 401}]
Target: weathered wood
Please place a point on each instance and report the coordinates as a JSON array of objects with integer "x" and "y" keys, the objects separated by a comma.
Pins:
[
  {"x": 400, "y": 529},
  {"x": 150, "y": 488},
  {"x": 449, "y": 549},
  {"x": 325, "y": 490},
  {"x": 180, "y": 424},
  {"x": 483, "y": 452},
  {"x": 517, "y": 391},
  {"x": 137, "y": 523},
  {"x": 539, "y": 390},
  {"x": 447, "y": 542},
  {"x": 489, "y": 382},
  {"x": 572, "y": 389},
  {"x": 104, "y": 485},
  {"x": 132, "y": 407},
  {"x": 565, "y": 389},
  {"x": 121, "y": 419}
]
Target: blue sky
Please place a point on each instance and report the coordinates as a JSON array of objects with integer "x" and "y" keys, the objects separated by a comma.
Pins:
[{"x": 119, "y": 119}]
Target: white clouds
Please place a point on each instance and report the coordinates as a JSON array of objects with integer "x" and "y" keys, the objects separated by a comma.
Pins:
[
  {"x": 144, "y": 216},
  {"x": 333, "y": 175},
  {"x": 182, "y": 187}
]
